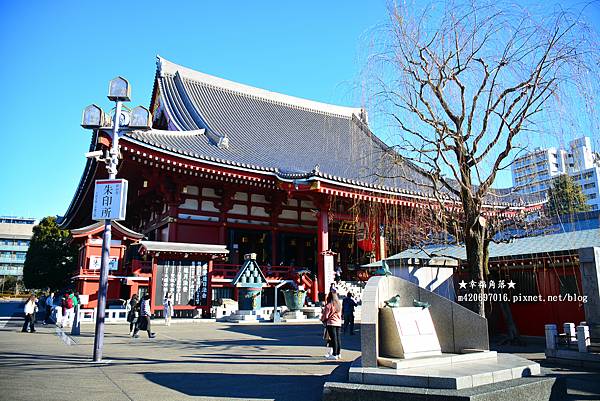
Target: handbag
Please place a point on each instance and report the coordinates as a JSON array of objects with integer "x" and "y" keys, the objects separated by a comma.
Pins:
[{"x": 326, "y": 335}]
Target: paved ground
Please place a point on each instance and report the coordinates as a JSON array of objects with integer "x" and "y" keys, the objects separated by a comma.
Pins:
[
  {"x": 209, "y": 361},
  {"x": 582, "y": 383}
]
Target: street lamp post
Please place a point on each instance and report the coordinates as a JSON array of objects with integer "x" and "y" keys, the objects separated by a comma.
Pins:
[{"x": 94, "y": 117}]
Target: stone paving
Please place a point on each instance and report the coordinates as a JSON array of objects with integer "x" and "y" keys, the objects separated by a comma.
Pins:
[
  {"x": 204, "y": 360},
  {"x": 582, "y": 384}
]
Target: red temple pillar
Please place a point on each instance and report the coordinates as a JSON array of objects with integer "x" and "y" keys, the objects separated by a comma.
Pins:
[{"x": 322, "y": 243}]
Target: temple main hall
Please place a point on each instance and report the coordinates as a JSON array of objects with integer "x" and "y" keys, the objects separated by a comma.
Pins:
[{"x": 229, "y": 169}]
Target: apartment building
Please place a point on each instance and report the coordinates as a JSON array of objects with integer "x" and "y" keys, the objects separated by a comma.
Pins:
[
  {"x": 15, "y": 236},
  {"x": 533, "y": 173}
]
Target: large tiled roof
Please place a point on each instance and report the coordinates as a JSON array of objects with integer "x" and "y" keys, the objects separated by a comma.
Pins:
[
  {"x": 296, "y": 138},
  {"x": 238, "y": 125},
  {"x": 226, "y": 123}
]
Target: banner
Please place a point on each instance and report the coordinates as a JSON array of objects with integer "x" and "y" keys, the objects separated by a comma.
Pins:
[{"x": 186, "y": 281}]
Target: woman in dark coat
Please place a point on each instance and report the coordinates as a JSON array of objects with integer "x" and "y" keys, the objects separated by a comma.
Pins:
[
  {"x": 144, "y": 322},
  {"x": 133, "y": 312}
]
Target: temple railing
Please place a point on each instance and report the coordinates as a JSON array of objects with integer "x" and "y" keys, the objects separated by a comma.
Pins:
[
  {"x": 223, "y": 271},
  {"x": 229, "y": 271}
]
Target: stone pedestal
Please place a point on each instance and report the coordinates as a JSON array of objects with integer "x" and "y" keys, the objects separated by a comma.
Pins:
[
  {"x": 293, "y": 316},
  {"x": 312, "y": 312},
  {"x": 245, "y": 316},
  {"x": 414, "y": 352}
]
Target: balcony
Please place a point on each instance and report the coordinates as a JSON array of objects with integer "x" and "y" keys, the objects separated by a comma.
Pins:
[
  {"x": 14, "y": 248},
  {"x": 11, "y": 271},
  {"x": 10, "y": 259}
]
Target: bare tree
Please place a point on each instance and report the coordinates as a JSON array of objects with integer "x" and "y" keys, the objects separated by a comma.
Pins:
[{"x": 461, "y": 83}]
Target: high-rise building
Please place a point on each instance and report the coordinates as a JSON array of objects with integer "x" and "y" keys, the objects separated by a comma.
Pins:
[
  {"x": 15, "y": 236},
  {"x": 532, "y": 173}
]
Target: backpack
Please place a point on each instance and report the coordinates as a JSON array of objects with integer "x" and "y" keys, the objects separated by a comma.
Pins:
[{"x": 69, "y": 302}]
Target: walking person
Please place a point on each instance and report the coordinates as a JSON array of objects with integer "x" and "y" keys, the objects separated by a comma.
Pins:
[
  {"x": 348, "y": 305},
  {"x": 30, "y": 309},
  {"x": 75, "y": 327},
  {"x": 49, "y": 306},
  {"x": 133, "y": 312},
  {"x": 75, "y": 298},
  {"x": 332, "y": 317},
  {"x": 68, "y": 310},
  {"x": 144, "y": 323},
  {"x": 168, "y": 308}
]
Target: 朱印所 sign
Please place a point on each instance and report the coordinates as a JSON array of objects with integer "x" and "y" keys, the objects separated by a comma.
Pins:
[{"x": 110, "y": 200}]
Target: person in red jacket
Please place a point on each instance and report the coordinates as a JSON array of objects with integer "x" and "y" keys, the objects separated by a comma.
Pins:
[{"x": 332, "y": 318}]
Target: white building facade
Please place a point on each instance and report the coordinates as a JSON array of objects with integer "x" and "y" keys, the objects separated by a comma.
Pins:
[
  {"x": 15, "y": 236},
  {"x": 533, "y": 173}
]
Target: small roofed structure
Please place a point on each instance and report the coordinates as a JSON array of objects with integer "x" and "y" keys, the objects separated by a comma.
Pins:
[
  {"x": 86, "y": 278},
  {"x": 553, "y": 278},
  {"x": 98, "y": 227},
  {"x": 138, "y": 266},
  {"x": 250, "y": 281},
  {"x": 156, "y": 247},
  {"x": 183, "y": 271}
]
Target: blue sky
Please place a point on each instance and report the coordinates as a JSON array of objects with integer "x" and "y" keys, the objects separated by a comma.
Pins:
[{"x": 59, "y": 56}]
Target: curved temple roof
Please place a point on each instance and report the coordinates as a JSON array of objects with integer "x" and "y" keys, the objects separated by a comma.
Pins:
[
  {"x": 211, "y": 119},
  {"x": 267, "y": 131}
]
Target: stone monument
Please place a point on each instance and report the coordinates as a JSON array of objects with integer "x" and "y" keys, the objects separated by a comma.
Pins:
[
  {"x": 409, "y": 333},
  {"x": 419, "y": 345}
]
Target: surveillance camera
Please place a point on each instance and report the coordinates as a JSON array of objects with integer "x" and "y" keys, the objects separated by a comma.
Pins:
[{"x": 93, "y": 155}]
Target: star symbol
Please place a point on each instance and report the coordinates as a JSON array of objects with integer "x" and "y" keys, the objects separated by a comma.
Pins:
[
  {"x": 511, "y": 284},
  {"x": 462, "y": 284}
]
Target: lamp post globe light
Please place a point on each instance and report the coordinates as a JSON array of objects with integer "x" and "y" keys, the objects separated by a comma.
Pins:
[{"x": 119, "y": 91}]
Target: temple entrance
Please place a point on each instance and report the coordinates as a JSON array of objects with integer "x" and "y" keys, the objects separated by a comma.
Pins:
[
  {"x": 350, "y": 255},
  {"x": 242, "y": 242},
  {"x": 298, "y": 250}
]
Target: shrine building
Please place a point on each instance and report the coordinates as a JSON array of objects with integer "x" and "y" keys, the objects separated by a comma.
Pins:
[{"x": 229, "y": 169}]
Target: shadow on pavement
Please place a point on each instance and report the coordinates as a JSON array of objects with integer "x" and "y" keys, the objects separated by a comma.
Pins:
[
  {"x": 244, "y": 386},
  {"x": 290, "y": 334}
]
